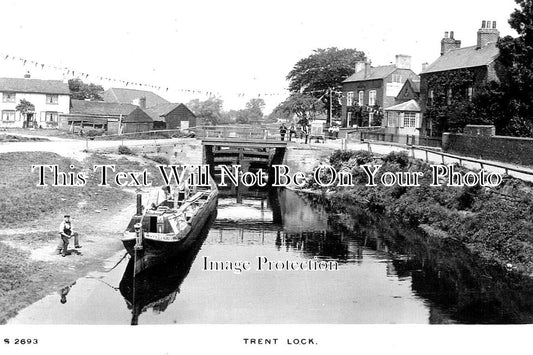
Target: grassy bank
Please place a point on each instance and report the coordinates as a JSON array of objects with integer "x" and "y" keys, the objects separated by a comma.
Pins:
[
  {"x": 493, "y": 222},
  {"x": 30, "y": 215}
]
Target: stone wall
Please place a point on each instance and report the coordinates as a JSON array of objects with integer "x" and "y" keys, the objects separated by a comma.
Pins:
[{"x": 513, "y": 150}]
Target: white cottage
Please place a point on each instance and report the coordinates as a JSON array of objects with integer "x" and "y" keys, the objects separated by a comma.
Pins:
[
  {"x": 49, "y": 97},
  {"x": 403, "y": 119}
]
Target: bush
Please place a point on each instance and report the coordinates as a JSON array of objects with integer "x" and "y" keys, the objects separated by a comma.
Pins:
[
  {"x": 160, "y": 159},
  {"x": 400, "y": 158},
  {"x": 94, "y": 132},
  {"x": 122, "y": 149},
  {"x": 358, "y": 157}
]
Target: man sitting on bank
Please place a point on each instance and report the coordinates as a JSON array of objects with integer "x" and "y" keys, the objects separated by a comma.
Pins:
[{"x": 65, "y": 233}]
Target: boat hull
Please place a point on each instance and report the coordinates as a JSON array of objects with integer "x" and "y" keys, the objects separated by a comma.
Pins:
[{"x": 155, "y": 252}]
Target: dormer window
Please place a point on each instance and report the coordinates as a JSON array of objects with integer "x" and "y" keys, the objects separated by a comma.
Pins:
[
  {"x": 396, "y": 78},
  {"x": 8, "y": 97},
  {"x": 52, "y": 99}
]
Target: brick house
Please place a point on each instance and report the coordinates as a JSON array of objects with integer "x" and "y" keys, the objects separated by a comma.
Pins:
[
  {"x": 371, "y": 89},
  {"x": 474, "y": 65},
  {"x": 50, "y": 98}
]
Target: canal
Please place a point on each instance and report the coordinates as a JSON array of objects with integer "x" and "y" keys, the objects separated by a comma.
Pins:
[{"x": 348, "y": 268}]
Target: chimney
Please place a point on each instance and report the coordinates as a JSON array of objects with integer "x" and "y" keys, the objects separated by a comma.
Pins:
[
  {"x": 448, "y": 43},
  {"x": 425, "y": 66},
  {"x": 359, "y": 66},
  {"x": 403, "y": 61},
  {"x": 367, "y": 68},
  {"x": 488, "y": 33},
  {"x": 27, "y": 75},
  {"x": 142, "y": 102}
]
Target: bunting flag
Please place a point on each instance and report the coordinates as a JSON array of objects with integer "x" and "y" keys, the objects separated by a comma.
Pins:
[{"x": 78, "y": 74}]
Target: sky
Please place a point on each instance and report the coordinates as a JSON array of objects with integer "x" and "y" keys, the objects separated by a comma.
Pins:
[{"x": 235, "y": 49}]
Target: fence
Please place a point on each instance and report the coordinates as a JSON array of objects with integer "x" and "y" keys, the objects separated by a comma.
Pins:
[{"x": 425, "y": 154}]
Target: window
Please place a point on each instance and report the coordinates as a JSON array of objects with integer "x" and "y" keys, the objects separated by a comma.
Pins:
[
  {"x": 361, "y": 98},
  {"x": 409, "y": 119},
  {"x": 449, "y": 94},
  {"x": 51, "y": 99},
  {"x": 8, "y": 97},
  {"x": 469, "y": 93},
  {"x": 396, "y": 78},
  {"x": 8, "y": 115},
  {"x": 430, "y": 98},
  {"x": 50, "y": 116},
  {"x": 349, "y": 98},
  {"x": 372, "y": 98},
  {"x": 348, "y": 119}
]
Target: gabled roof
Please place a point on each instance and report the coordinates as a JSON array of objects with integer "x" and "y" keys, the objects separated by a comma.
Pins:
[
  {"x": 137, "y": 116},
  {"x": 380, "y": 72},
  {"x": 410, "y": 105},
  {"x": 415, "y": 85},
  {"x": 164, "y": 109},
  {"x": 127, "y": 96},
  {"x": 468, "y": 57},
  {"x": 35, "y": 86},
  {"x": 100, "y": 108}
]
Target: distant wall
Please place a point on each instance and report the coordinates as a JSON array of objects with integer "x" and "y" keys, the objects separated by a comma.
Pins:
[{"x": 500, "y": 148}]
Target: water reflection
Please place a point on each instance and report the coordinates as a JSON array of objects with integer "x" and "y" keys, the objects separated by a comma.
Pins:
[
  {"x": 386, "y": 274},
  {"x": 156, "y": 288}
]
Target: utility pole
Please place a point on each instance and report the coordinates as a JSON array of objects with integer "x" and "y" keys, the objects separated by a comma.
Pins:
[{"x": 330, "y": 106}]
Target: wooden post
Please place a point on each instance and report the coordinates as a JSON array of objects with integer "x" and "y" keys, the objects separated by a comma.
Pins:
[{"x": 427, "y": 159}]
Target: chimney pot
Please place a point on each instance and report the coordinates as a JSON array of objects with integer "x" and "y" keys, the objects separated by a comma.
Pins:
[
  {"x": 488, "y": 33},
  {"x": 27, "y": 75},
  {"x": 449, "y": 42}
]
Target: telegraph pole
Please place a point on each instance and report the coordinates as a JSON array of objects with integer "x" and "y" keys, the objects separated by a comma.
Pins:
[{"x": 330, "y": 107}]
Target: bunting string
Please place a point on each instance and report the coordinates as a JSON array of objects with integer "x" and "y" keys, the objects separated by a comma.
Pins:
[{"x": 74, "y": 73}]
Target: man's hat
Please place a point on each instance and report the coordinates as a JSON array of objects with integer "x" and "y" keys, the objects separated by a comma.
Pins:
[{"x": 67, "y": 215}]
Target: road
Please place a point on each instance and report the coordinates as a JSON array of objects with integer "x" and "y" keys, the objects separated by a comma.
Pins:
[{"x": 78, "y": 149}]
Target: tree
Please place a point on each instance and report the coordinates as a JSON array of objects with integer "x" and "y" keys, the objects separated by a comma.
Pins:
[
  {"x": 323, "y": 72},
  {"x": 82, "y": 91},
  {"x": 304, "y": 106},
  {"x": 25, "y": 107},
  {"x": 254, "y": 109},
  {"x": 210, "y": 110}
]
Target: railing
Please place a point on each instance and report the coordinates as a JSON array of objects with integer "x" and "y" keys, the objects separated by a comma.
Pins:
[
  {"x": 402, "y": 139},
  {"x": 238, "y": 132},
  {"x": 425, "y": 155}
]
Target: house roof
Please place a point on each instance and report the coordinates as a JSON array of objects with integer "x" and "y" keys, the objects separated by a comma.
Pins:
[
  {"x": 100, "y": 108},
  {"x": 415, "y": 85},
  {"x": 127, "y": 96},
  {"x": 138, "y": 115},
  {"x": 468, "y": 57},
  {"x": 380, "y": 72},
  {"x": 36, "y": 86},
  {"x": 159, "y": 112},
  {"x": 164, "y": 109},
  {"x": 411, "y": 105}
]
